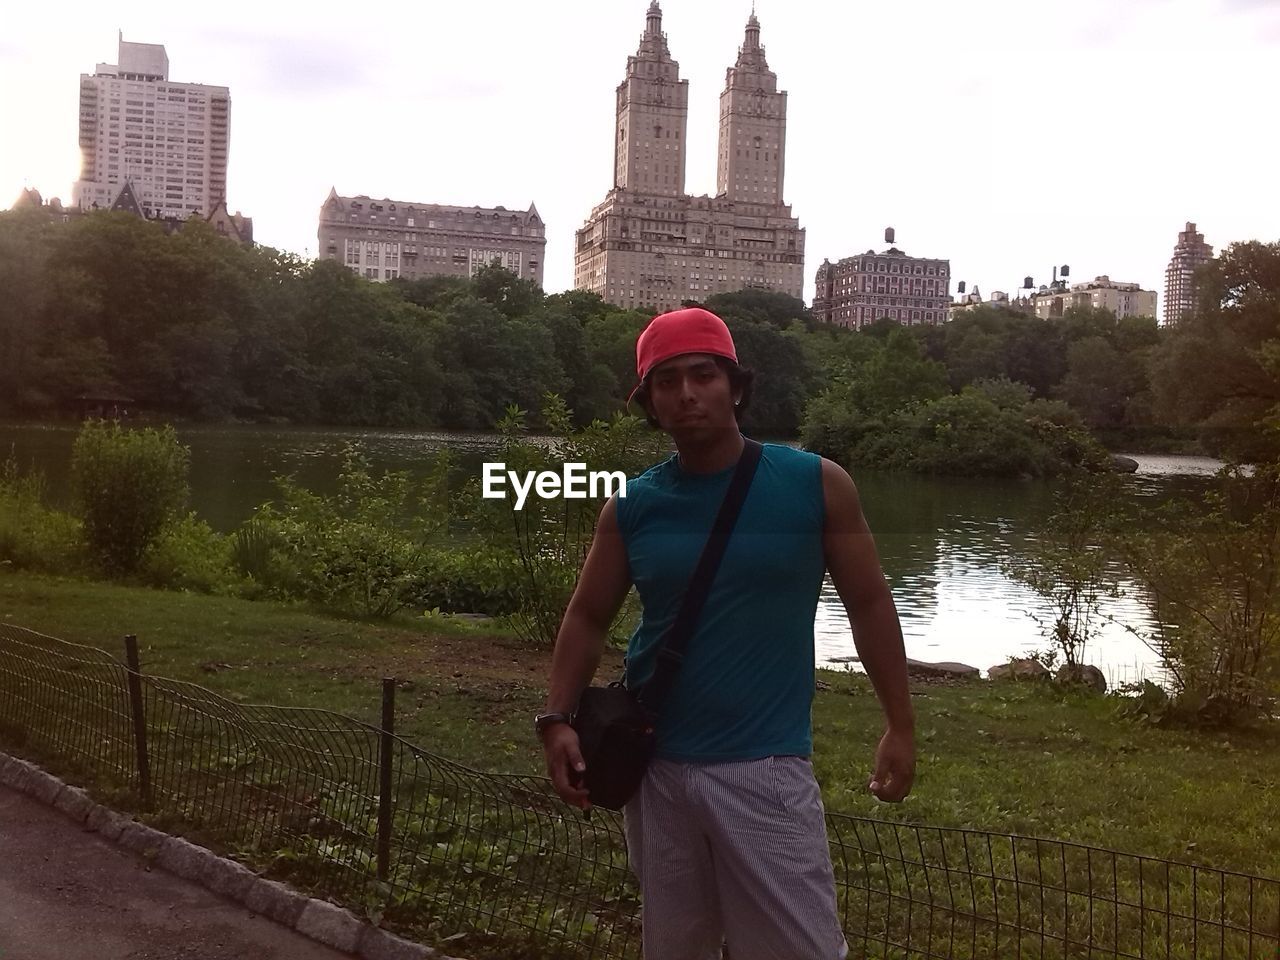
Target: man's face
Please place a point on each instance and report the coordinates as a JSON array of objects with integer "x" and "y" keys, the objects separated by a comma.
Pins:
[{"x": 690, "y": 396}]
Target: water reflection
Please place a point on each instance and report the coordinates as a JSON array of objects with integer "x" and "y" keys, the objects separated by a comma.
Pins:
[{"x": 943, "y": 543}]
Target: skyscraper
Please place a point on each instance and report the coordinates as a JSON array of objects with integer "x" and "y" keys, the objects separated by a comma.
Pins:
[
  {"x": 648, "y": 243},
  {"x": 1179, "y": 277},
  {"x": 169, "y": 140}
]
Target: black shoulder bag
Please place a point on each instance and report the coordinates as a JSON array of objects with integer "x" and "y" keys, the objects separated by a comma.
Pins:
[{"x": 615, "y": 724}]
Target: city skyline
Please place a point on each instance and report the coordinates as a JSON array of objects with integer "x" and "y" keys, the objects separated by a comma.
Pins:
[{"x": 1004, "y": 137}]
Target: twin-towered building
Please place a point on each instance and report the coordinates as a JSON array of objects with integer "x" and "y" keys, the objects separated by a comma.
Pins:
[{"x": 650, "y": 244}]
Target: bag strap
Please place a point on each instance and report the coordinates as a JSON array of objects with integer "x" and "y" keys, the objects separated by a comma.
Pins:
[{"x": 671, "y": 647}]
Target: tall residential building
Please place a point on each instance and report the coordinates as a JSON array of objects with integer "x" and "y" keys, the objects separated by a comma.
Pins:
[
  {"x": 1122, "y": 299},
  {"x": 385, "y": 239},
  {"x": 1179, "y": 277},
  {"x": 874, "y": 286},
  {"x": 168, "y": 139},
  {"x": 648, "y": 243}
]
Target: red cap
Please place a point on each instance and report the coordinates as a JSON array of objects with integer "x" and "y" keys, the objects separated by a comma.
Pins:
[{"x": 692, "y": 330}]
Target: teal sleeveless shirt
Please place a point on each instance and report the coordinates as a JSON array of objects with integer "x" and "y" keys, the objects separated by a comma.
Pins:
[{"x": 745, "y": 688}]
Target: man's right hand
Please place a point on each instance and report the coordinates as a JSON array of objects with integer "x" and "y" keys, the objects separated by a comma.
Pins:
[{"x": 564, "y": 764}]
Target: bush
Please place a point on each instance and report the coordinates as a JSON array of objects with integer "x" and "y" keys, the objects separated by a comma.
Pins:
[
  {"x": 1212, "y": 573},
  {"x": 470, "y": 581},
  {"x": 189, "y": 555},
  {"x": 549, "y": 538},
  {"x": 128, "y": 485},
  {"x": 32, "y": 536},
  {"x": 1067, "y": 565},
  {"x": 360, "y": 551}
]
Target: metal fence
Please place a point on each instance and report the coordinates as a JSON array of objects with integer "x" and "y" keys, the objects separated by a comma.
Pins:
[{"x": 501, "y": 867}]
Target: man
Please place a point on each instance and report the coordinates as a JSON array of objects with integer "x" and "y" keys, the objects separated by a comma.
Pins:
[{"x": 726, "y": 833}]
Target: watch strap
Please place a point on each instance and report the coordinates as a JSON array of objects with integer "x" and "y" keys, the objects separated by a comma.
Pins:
[{"x": 544, "y": 720}]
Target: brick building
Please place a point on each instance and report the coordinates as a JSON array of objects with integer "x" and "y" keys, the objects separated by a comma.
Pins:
[{"x": 873, "y": 286}]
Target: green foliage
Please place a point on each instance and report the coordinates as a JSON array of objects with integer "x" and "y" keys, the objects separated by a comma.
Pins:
[
  {"x": 33, "y": 536},
  {"x": 1067, "y": 565},
  {"x": 1145, "y": 702},
  {"x": 780, "y": 310},
  {"x": 1219, "y": 369},
  {"x": 870, "y": 382},
  {"x": 189, "y": 555},
  {"x": 128, "y": 486},
  {"x": 977, "y": 432},
  {"x": 192, "y": 325},
  {"x": 549, "y": 538},
  {"x": 254, "y": 546},
  {"x": 1211, "y": 571},
  {"x": 360, "y": 551},
  {"x": 470, "y": 580},
  {"x": 965, "y": 433}
]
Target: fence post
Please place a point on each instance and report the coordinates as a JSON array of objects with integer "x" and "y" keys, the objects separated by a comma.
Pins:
[
  {"x": 384, "y": 777},
  {"x": 139, "y": 719}
]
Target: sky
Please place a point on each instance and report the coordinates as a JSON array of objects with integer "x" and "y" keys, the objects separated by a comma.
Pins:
[{"x": 1008, "y": 136}]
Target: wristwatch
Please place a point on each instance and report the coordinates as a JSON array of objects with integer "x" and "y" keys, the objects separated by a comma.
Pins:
[{"x": 545, "y": 720}]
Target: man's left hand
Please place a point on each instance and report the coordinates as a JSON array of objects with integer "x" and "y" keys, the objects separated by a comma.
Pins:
[{"x": 895, "y": 766}]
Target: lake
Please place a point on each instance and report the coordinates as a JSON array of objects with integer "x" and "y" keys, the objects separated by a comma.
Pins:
[{"x": 942, "y": 540}]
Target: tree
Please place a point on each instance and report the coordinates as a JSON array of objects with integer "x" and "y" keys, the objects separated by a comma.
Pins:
[
  {"x": 1065, "y": 562},
  {"x": 1217, "y": 369},
  {"x": 1098, "y": 382},
  {"x": 1211, "y": 571},
  {"x": 870, "y": 381},
  {"x": 500, "y": 287},
  {"x": 128, "y": 485},
  {"x": 780, "y": 310}
]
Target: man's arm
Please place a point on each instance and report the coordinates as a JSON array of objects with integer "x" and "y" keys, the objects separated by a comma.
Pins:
[
  {"x": 855, "y": 570},
  {"x": 602, "y": 586}
]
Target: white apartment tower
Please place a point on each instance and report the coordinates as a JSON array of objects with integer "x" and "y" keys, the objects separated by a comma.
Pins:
[{"x": 169, "y": 140}]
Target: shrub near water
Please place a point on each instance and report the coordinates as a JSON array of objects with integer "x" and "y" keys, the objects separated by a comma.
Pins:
[
  {"x": 549, "y": 539},
  {"x": 32, "y": 536},
  {"x": 190, "y": 555},
  {"x": 361, "y": 551},
  {"x": 128, "y": 485}
]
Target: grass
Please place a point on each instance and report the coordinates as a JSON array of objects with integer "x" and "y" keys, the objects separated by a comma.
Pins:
[
  {"x": 462, "y": 692},
  {"x": 1024, "y": 759},
  {"x": 1015, "y": 758}
]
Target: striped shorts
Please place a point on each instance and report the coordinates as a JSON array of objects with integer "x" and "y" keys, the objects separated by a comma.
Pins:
[{"x": 733, "y": 852}]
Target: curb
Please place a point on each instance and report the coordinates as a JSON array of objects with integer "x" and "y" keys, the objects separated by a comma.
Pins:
[{"x": 315, "y": 919}]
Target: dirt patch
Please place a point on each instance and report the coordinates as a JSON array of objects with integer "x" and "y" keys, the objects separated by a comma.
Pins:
[{"x": 487, "y": 666}]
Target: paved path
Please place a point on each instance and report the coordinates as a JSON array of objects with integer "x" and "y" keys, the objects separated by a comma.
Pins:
[{"x": 67, "y": 894}]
